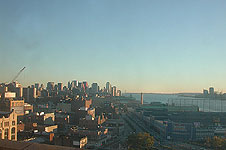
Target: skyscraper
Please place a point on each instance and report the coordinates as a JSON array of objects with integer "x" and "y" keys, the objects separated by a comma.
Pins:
[
  {"x": 119, "y": 93},
  {"x": 42, "y": 87},
  {"x": 60, "y": 86},
  {"x": 108, "y": 87},
  {"x": 113, "y": 91},
  {"x": 205, "y": 92},
  {"x": 19, "y": 92},
  {"x": 85, "y": 84},
  {"x": 94, "y": 88},
  {"x": 29, "y": 93},
  {"x": 80, "y": 85},
  {"x": 69, "y": 85},
  {"x": 211, "y": 91},
  {"x": 37, "y": 86},
  {"x": 74, "y": 83},
  {"x": 50, "y": 86}
]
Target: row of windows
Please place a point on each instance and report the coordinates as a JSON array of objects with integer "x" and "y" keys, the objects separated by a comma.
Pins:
[
  {"x": 6, "y": 133},
  {"x": 17, "y": 104},
  {"x": 6, "y": 124}
]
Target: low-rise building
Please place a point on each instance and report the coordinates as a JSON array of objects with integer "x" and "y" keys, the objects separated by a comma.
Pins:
[
  {"x": 90, "y": 122},
  {"x": 45, "y": 118},
  {"x": 28, "y": 108},
  {"x": 95, "y": 138},
  {"x": 115, "y": 126},
  {"x": 185, "y": 125},
  {"x": 11, "y": 104},
  {"x": 64, "y": 107},
  {"x": 71, "y": 141}
]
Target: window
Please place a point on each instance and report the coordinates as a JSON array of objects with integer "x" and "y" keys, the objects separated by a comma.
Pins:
[
  {"x": 13, "y": 137},
  {"x": 13, "y": 131},
  {"x": 6, "y": 134},
  {"x": 13, "y": 123},
  {"x": 6, "y": 124}
]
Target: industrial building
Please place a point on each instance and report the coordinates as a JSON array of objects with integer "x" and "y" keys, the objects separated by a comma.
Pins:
[{"x": 183, "y": 123}]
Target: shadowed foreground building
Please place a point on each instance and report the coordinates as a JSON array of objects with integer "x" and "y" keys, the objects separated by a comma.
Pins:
[{"x": 15, "y": 145}]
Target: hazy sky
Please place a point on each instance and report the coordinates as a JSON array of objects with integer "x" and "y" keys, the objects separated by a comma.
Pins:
[{"x": 137, "y": 45}]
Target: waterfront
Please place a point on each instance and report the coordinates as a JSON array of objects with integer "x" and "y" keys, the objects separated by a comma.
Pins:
[{"x": 208, "y": 105}]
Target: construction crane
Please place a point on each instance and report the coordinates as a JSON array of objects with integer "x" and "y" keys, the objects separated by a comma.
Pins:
[{"x": 18, "y": 74}]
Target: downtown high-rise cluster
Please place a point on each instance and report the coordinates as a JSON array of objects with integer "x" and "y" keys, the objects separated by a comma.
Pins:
[{"x": 76, "y": 115}]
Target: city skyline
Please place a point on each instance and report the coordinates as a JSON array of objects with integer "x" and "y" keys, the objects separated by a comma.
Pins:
[
  {"x": 106, "y": 86},
  {"x": 140, "y": 46}
]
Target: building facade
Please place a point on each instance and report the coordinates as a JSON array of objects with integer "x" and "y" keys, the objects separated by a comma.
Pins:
[{"x": 8, "y": 125}]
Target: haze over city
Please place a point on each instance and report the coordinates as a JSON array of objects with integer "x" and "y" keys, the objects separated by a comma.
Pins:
[{"x": 149, "y": 46}]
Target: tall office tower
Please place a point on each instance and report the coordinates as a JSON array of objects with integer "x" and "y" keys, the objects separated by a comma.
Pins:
[
  {"x": 37, "y": 86},
  {"x": 98, "y": 88},
  {"x": 60, "y": 86},
  {"x": 65, "y": 88},
  {"x": 113, "y": 91},
  {"x": 141, "y": 99},
  {"x": 85, "y": 84},
  {"x": 69, "y": 85},
  {"x": 50, "y": 86},
  {"x": 26, "y": 94},
  {"x": 74, "y": 83},
  {"x": 211, "y": 91},
  {"x": 29, "y": 93},
  {"x": 108, "y": 87},
  {"x": 42, "y": 86},
  {"x": 56, "y": 88},
  {"x": 81, "y": 86},
  {"x": 94, "y": 88},
  {"x": 205, "y": 92},
  {"x": 32, "y": 93},
  {"x": 19, "y": 92},
  {"x": 119, "y": 93}
]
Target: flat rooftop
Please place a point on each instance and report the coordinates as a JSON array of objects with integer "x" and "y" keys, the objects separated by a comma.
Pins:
[{"x": 15, "y": 145}]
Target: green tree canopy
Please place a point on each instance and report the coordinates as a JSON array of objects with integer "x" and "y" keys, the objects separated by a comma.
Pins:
[
  {"x": 216, "y": 143},
  {"x": 140, "y": 141}
]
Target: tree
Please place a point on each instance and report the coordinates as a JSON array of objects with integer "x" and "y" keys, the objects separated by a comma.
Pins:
[
  {"x": 216, "y": 143},
  {"x": 140, "y": 141}
]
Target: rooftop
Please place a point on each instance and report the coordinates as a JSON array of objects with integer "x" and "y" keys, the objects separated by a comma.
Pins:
[
  {"x": 15, "y": 145},
  {"x": 5, "y": 114}
]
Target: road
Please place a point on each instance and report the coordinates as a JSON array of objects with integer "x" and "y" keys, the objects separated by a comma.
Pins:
[
  {"x": 134, "y": 124},
  {"x": 161, "y": 143}
]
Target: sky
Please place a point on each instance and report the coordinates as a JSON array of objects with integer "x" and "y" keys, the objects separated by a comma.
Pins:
[{"x": 163, "y": 46}]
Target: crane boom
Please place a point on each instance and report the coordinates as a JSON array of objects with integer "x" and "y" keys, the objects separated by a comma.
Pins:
[{"x": 18, "y": 74}]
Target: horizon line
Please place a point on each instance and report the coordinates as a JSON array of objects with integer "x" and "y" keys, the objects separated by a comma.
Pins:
[{"x": 161, "y": 93}]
